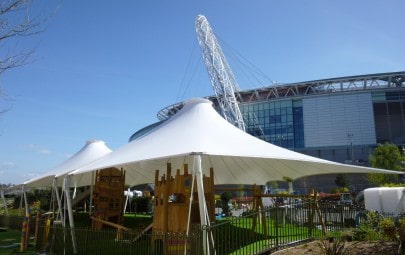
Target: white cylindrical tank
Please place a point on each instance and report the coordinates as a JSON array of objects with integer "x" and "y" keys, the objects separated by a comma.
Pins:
[
  {"x": 385, "y": 200},
  {"x": 372, "y": 199}
]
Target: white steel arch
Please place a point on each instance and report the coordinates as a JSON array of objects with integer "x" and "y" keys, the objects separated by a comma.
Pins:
[{"x": 222, "y": 79}]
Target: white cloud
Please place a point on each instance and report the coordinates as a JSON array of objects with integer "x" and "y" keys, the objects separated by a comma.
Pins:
[
  {"x": 67, "y": 155},
  {"x": 38, "y": 149},
  {"x": 6, "y": 165}
]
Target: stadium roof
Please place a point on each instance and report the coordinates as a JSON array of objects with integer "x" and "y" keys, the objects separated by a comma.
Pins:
[{"x": 367, "y": 82}]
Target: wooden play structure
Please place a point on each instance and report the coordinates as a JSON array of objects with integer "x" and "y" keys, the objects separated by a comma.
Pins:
[
  {"x": 171, "y": 207},
  {"x": 108, "y": 197},
  {"x": 260, "y": 215}
]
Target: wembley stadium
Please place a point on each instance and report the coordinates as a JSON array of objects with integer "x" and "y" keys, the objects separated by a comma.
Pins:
[{"x": 339, "y": 119}]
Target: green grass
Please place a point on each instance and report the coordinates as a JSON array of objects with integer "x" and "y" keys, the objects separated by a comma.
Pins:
[
  {"x": 98, "y": 242},
  {"x": 103, "y": 241},
  {"x": 10, "y": 243},
  {"x": 10, "y": 239},
  {"x": 238, "y": 237},
  {"x": 231, "y": 236},
  {"x": 137, "y": 221}
]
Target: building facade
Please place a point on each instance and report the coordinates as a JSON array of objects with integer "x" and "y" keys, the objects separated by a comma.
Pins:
[{"x": 340, "y": 119}]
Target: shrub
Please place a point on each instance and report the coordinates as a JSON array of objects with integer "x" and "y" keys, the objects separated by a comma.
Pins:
[
  {"x": 369, "y": 228},
  {"x": 347, "y": 236},
  {"x": 332, "y": 247},
  {"x": 388, "y": 229},
  {"x": 366, "y": 233},
  {"x": 401, "y": 233}
]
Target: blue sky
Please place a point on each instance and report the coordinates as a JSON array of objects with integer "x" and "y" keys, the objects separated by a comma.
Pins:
[{"x": 102, "y": 70}]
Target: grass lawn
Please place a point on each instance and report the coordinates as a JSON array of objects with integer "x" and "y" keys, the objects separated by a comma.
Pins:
[
  {"x": 231, "y": 236},
  {"x": 10, "y": 242}
]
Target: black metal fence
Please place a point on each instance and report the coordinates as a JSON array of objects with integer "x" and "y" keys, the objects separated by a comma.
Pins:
[
  {"x": 253, "y": 233},
  {"x": 15, "y": 222},
  {"x": 280, "y": 226}
]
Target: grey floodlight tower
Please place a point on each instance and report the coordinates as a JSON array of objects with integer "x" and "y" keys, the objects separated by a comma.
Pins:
[{"x": 222, "y": 80}]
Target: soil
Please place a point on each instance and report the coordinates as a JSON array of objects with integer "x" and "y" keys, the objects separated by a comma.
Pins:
[{"x": 351, "y": 248}]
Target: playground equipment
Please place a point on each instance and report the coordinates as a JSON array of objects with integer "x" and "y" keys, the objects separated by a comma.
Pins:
[
  {"x": 108, "y": 197},
  {"x": 174, "y": 212}
]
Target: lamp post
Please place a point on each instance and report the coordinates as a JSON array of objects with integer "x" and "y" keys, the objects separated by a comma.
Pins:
[{"x": 350, "y": 136}]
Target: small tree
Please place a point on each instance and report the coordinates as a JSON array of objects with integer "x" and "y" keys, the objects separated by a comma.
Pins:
[
  {"x": 273, "y": 184},
  {"x": 16, "y": 22},
  {"x": 342, "y": 181},
  {"x": 389, "y": 157},
  {"x": 290, "y": 184},
  {"x": 225, "y": 197}
]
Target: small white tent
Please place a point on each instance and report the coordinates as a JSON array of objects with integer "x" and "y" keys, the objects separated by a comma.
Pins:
[
  {"x": 58, "y": 177},
  {"x": 237, "y": 157},
  {"x": 92, "y": 150}
]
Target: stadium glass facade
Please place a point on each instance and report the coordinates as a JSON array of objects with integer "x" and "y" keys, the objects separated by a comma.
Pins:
[
  {"x": 278, "y": 122},
  {"x": 340, "y": 119}
]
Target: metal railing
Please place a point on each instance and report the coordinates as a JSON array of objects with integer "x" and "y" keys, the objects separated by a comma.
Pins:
[{"x": 261, "y": 232}]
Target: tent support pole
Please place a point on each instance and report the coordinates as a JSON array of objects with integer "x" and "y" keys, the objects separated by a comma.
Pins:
[
  {"x": 4, "y": 202},
  {"x": 126, "y": 200},
  {"x": 25, "y": 201},
  {"x": 189, "y": 208},
  {"x": 91, "y": 193},
  {"x": 58, "y": 200},
  {"x": 70, "y": 213},
  {"x": 21, "y": 201},
  {"x": 202, "y": 203}
]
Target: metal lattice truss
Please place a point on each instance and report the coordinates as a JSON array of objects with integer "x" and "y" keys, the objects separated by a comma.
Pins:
[
  {"x": 318, "y": 87},
  {"x": 327, "y": 86},
  {"x": 222, "y": 79}
]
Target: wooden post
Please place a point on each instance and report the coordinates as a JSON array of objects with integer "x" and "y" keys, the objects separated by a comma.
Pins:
[
  {"x": 166, "y": 197},
  {"x": 27, "y": 236},
  {"x": 255, "y": 207},
  {"x": 212, "y": 198},
  {"x": 310, "y": 212},
  {"x": 166, "y": 205},
  {"x": 23, "y": 235},
  {"x": 185, "y": 170},
  {"x": 37, "y": 220},
  {"x": 258, "y": 208}
]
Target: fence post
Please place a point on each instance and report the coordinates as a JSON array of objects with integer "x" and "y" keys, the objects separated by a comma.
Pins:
[
  {"x": 310, "y": 217},
  {"x": 342, "y": 220},
  {"x": 276, "y": 226}
]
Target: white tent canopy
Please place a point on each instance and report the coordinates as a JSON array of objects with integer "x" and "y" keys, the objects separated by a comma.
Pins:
[
  {"x": 92, "y": 150},
  {"x": 237, "y": 157}
]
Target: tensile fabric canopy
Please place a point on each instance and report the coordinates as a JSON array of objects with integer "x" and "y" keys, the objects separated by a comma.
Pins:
[
  {"x": 92, "y": 150},
  {"x": 237, "y": 157}
]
